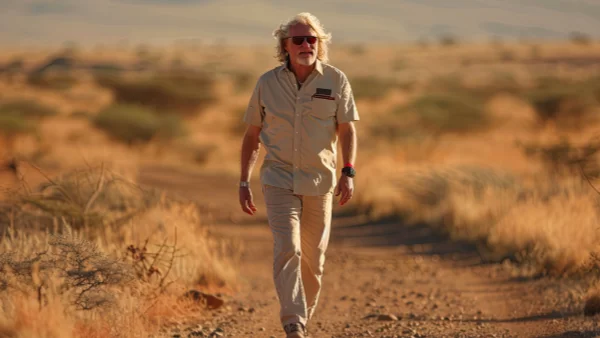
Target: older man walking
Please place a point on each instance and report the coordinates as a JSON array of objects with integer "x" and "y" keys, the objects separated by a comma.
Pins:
[{"x": 297, "y": 112}]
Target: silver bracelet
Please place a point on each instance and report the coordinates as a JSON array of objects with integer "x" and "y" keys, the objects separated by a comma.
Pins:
[{"x": 244, "y": 184}]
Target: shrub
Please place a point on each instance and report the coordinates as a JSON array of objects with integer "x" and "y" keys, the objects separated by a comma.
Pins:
[
  {"x": 448, "y": 40},
  {"x": 373, "y": 87},
  {"x": 85, "y": 199},
  {"x": 453, "y": 84},
  {"x": 55, "y": 81},
  {"x": 85, "y": 273},
  {"x": 26, "y": 109},
  {"x": 565, "y": 101},
  {"x": 19, "y": 117},
  {"x": 580, "y": 38},
  {"x": 443, "y": 113},
  {"x": 130, "y": 123},
  {"x": 12, "y": 125},
  {"x": 184, "y": 93}
]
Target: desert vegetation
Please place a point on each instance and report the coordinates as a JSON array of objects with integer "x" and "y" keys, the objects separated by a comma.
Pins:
[{"x": 493, "y": 145}]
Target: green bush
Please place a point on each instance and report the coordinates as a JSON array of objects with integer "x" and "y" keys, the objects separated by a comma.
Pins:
[
  {"x": 20, "y": 117},
  {"x": 26, "y": 109},
  {"x": 131, "y": 124},
  {"x": 562, "y": 100},
  {"x": 453, "y": 84},
  {"x": 373, "y": 87},
  {"x": 184, "y": 93},
  {"x": 448, "y": 113},
  {"x": 56, "y": 81},
  {"x": 12, "y": 125}
]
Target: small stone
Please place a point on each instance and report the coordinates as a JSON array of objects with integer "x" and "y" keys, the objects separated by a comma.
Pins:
[
  {"x": 262, "y": 329},
  {"x": 210, "y": 301},
  {"x": 388, "y": 317}
]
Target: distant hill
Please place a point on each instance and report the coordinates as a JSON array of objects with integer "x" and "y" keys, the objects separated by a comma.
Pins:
[{"x": 34, "y": 22}]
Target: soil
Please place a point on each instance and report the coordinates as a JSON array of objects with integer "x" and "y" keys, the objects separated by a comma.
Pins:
[{"x": 382, "y": 279}]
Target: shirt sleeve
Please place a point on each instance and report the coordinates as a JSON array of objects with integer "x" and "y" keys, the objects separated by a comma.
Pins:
[
  {"x": 346, "y": 110},
  {"x": 254, "y": 112}
]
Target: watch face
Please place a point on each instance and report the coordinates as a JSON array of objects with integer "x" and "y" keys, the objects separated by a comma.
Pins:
[{"x": 349, "y": 171}]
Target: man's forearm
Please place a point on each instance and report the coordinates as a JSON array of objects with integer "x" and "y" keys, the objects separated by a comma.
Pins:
[
  {"x": 250, "y": 150},
  {"x": 348, "y": 142}
]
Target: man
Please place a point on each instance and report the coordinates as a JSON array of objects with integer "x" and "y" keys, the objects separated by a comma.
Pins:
[{"x": 297, "y": 112}]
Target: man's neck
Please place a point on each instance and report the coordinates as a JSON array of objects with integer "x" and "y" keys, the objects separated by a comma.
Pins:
[{"x": 301, "y": 71}]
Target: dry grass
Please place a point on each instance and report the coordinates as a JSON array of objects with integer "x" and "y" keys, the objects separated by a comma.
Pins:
[
  {"x": 121, "y": 273},
  {"x": 451, "y": 136}
]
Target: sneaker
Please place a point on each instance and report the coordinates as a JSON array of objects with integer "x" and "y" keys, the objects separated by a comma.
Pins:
[{"x": 294, "y": 330}]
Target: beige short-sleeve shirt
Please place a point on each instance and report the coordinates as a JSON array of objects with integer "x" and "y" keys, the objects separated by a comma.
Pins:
[{"x": 299, "y": 126}]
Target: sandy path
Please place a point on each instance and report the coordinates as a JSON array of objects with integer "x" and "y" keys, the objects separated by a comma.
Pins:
[{"x": 383, "y": 279}]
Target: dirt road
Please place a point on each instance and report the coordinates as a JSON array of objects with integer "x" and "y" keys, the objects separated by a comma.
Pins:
[{"x": 384, "y": 279}]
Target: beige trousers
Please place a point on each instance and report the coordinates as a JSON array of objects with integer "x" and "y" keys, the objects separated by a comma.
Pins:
[{"x": 301, "y": 226}]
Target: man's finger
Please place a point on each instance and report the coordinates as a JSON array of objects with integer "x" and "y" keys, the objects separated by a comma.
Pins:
[
  {"x": 251, "y": 203},
  {"x": 337, "y": 189},
  {"x": 246, "y": 202},
  {"x": 344, "y": 197},
  {"x": 247, "y": 209},
  {"x": 348, "y": 195}
]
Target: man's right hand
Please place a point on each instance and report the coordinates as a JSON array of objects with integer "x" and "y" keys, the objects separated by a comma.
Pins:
[{"x": 246, "y": 201}]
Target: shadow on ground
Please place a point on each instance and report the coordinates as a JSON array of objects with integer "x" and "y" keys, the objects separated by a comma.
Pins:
[{"x": 419, "y": 237}]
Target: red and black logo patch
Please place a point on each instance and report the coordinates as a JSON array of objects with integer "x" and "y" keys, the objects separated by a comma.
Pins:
[{"x": 323, "y": 93}]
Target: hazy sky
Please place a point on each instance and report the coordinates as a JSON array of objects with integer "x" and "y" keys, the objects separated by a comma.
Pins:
[{"x": 35, "y": 22}]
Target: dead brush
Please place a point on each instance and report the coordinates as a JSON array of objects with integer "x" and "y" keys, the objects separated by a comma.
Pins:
[
  {"x": 71, "y": 266},
  {"x": 564, "y": 158},
  {"x": 89, "y": 198},
  {"x": 159, "y": 263}
]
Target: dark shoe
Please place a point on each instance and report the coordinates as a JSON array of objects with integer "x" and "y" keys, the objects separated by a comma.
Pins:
[{"x": 294, "y": 330}]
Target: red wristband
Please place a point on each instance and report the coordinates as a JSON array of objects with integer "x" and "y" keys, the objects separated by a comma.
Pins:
[{"x": 349, "y": 165}]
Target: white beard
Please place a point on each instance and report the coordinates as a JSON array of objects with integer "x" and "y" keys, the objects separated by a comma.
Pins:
[{"x": 306, "y": 61}]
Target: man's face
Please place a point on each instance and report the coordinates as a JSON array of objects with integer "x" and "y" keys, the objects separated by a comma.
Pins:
[{"x": 305, "y": 53}]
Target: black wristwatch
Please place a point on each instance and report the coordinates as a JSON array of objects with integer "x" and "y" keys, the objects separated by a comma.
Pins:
[{"x": 349, "y": 171}]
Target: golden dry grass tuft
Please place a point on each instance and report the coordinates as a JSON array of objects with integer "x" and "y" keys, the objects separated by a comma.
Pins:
[{"x": 123, "y": 272}]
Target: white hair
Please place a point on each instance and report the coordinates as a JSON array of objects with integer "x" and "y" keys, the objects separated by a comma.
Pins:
[{"x": 306, "y": 19}]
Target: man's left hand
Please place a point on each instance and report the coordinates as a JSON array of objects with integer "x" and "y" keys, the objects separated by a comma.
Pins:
[{"x": 345, "y": 187}]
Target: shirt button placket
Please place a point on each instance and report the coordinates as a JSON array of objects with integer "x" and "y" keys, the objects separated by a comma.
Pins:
[{"x": 297, "y": 141}]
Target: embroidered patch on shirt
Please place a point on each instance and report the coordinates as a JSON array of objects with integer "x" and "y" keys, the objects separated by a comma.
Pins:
[{"x": 323, "y": 93}]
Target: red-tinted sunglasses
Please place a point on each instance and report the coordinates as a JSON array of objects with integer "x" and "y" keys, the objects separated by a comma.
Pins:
[{"x": 298, "y": 40}]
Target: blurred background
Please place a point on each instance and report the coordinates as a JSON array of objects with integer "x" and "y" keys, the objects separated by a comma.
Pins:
[{"x": 479, "y": 118}]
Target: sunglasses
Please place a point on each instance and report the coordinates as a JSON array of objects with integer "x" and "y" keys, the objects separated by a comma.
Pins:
[{"x": 298, "y": 40}]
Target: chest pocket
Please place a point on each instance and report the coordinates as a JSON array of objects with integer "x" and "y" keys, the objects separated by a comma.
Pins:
[{"x": 322, "y": 108}]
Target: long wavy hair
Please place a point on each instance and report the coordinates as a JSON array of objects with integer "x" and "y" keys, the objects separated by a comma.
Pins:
[{"x": 307, "y": 19}]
